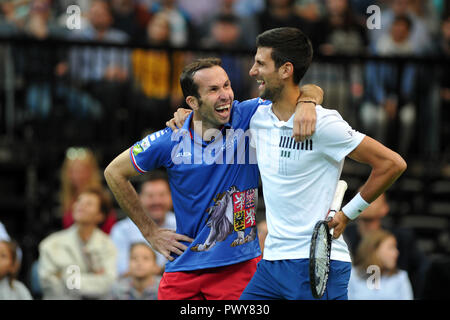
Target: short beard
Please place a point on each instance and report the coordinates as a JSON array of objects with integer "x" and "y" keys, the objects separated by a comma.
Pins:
[{"x": 272, "y": 94}]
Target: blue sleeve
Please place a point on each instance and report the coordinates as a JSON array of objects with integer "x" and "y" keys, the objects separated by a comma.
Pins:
[
  {"x": 154, "y": 151},
  {"x": 246, "y": 109}
]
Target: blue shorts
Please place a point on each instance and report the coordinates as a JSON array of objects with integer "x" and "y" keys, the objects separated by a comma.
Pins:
[{"x": 289, "y": 279}]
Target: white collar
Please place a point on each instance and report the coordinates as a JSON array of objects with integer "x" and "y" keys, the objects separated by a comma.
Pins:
[{"x": 280, "y": 123}]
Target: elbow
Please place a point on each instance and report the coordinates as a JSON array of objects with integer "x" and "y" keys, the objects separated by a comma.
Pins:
[
  {"x": 108, "y": 173},
  {"x": 398, "y": 165}
]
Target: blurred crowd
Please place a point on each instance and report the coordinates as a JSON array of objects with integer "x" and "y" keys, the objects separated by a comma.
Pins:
[
  {"x": 333, "y": 25},
  {"x": 98, "y": 253},
  {"x": 97, "y": 83},
  {"x": 95, "y": 253}
]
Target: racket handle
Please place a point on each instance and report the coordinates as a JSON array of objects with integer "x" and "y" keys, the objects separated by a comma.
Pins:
[{"x": 338, "y": 197}]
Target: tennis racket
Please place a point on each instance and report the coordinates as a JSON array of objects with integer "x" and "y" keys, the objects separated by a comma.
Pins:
[{"x": 319, "y": 252}]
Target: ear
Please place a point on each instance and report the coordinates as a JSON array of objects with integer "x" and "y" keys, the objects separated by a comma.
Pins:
[
  {"x": 286, "y": 70},
  {"x": 192, "y": 102}
]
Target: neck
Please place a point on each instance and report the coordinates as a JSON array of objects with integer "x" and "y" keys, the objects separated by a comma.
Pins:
[
  {"x": 140, "y": 284},
  {"x": 285, "y": 106},
  {"x": 201, "y": 127},
  {"x": 85, "y": 231}
]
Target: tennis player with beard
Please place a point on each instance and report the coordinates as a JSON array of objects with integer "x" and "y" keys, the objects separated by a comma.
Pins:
[{"x": 299, "y": 179}]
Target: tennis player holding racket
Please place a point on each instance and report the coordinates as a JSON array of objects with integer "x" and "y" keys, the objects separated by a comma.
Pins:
[{"x": 299, "y": 179}]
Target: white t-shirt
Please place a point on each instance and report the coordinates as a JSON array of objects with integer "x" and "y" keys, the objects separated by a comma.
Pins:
[{"x": 299, "y": 179}]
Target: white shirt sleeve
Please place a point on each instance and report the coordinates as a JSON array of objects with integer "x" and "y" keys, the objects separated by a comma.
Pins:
[{"x": 336, "y": 138}]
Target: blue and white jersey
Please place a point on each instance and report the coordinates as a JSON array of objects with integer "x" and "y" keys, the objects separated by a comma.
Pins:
[{"x": 214, "y": 188}]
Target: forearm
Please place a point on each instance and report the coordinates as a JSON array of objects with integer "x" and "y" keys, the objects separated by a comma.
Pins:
[
  {"x": 128, "y": 200},
  {"x": 311, "y": 92},
  {"x": 382, "y": 177}
]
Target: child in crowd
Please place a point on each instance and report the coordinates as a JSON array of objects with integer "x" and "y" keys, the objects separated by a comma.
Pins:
[
  {"x": 142, "y": 282},
  {"x": 375, "y": 275},
  {"x": 10, "y": 289}
]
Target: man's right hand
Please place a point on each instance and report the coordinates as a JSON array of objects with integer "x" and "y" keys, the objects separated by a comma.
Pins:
[
  {"x": 166, "y": 241},
  {"x": 178, "y": 119}
]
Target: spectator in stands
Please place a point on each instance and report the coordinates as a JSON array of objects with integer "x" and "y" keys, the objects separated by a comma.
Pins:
[
  {"x": 389, "y": 110},
  {"x": 419, "y": 34},
  {"x": 411, "y": 259},
  {"x": 197, "y": 10},
  {"x": 15, "y": 12},
  {"x": 339, "y": 32},
  {"x": 281, "y": 13},
  {"x": 248, "y": 8},
  {"x": 94, "y": 65},
  {"x": 5, "y": 237},
  {"x": 178, "y": 22},
  {"x": 227, "y": 9},
  {"x": 60, "y": 10},
  {"x": 10, "y": 288},
  {"x": 38, "y": 64},
  {"x": 80, "y": 171},
  {"x": 310, "y": 10},
  {"x": 375, "y": 275},
  {"x": 225, "y": 33},
  {"x": 103, "y": 72},
  {"x": 143, "y": 277},
  {"x": 40, "y": 23},
  {"x": 80, "y": 262},
  {"x": 155, "y": 198},
  {"x": 130, "y": 17},
  {"x": 155, "y": 75}
]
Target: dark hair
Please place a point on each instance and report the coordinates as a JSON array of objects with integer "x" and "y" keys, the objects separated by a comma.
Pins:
[
  {"x": 141, "y": 243},
  {"x": 366, "y": 252},
  {"x": 157, "y": 175},
  {"x": 103, "y": 196},
  {"x": 288, "y": 45},
  {"x": 188, "y": 86},
  {"x": 12, "y": 248}
]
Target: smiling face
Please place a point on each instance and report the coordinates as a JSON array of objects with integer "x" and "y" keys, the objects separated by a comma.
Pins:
[
  {"x": 86, "y": 209},
  {"x": 156, "y": 199},
  {"x": 267, "y": 75},
  {"x": 213, "y": 106}
]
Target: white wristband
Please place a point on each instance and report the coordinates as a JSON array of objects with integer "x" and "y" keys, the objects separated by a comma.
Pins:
[{"x": 354, "y": 208}]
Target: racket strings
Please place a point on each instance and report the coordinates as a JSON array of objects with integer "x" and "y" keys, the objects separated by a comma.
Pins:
[{"x": 321, "y": 257}]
